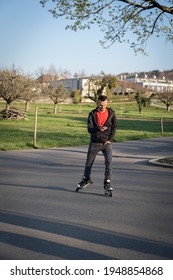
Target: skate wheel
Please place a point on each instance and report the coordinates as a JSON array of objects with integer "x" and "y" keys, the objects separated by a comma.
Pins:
[
  {"x": 77, "y": 189},
  {"x": 108, "y": 193}
]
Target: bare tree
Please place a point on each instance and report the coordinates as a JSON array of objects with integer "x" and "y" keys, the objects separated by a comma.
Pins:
[
  {"x": 13, "y": 85},
  {"x": 53, "y": 73},
  {"x": 80, "y": 74},
  {"x": 166, "y": 98},
  {"x": 115, "y": 18},
  {"x": 32, "y": 92},
  {"x": 57, "y": 95}
]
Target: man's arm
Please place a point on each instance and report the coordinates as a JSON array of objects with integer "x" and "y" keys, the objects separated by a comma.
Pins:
[
  {"x": 92, "y": 126},
  {"x": 113, "y": 128}
]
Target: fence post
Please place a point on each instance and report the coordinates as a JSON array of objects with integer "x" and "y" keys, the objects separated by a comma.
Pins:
[
  {"x": 161, "y": 125},
  {"x": 35, "y": 127}
]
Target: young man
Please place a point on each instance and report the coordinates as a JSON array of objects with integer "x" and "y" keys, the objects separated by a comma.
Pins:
[{"x": 102, "y": 127}]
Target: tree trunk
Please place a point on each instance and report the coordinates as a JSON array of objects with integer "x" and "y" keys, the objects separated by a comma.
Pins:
[
  {"x": 55, "y": 108},
  {"x": 26, "y": 106},
  {"x": 7, "y": 106},
  {"x": 168, "y": 107},
  {"x": 140, "y": 108}
]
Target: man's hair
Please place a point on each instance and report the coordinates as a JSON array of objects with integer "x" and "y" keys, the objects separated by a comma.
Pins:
[{"x": 102, "y": 98}]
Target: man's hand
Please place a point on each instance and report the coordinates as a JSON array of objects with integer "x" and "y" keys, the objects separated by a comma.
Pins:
[
  {"x": 107, "y": 142},
  {"x": 103, "y": 128}
]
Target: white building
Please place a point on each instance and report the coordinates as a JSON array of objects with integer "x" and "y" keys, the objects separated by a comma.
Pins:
[
  {"x": 83, "y": 84},
  {"x": 158, "y": 85}
]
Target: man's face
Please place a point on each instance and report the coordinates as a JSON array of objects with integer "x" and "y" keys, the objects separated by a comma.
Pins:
[{"x": 102, "y": 105}]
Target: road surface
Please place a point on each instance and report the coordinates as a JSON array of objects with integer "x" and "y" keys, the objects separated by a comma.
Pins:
[{"x": 42, "y": 217}]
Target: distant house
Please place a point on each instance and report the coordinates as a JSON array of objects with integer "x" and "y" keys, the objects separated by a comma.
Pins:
[
  {"x": 68, "y": 84},
  {"x": 81, "y": 84},
  {"x": 155, "y": 84},
  {"x": 86, "y": 87},
  {"x": 45, "y": 79},
  {"x": 127, "y": 87}
]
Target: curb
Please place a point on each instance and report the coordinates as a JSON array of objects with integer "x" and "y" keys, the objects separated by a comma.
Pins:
[{"x": 156, "y": 162}]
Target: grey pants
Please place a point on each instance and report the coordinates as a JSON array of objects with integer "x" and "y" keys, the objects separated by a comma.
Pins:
[{"x": 93, "y": 150}]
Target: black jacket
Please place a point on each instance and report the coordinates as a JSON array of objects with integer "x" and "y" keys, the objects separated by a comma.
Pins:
[{"x": 97, "y": 136}]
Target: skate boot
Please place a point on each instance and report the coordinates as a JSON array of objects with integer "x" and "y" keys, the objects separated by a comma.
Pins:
[
  {"x": 108, "y": 188},
  {"x": 83, "y": 184}
]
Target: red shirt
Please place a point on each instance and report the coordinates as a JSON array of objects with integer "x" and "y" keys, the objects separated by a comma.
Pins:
[{"x": 102, "y": 117}]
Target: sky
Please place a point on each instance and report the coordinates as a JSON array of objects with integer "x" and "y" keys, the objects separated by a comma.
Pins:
[{"x": 32, "y": 40}]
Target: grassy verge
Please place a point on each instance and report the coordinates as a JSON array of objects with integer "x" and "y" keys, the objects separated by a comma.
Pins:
[
  {"x": 68, "y": 127},
  {"x": 168, "y": 160}
]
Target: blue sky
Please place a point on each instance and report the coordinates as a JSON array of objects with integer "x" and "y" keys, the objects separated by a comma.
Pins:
[{"x": 32, "y": 39}]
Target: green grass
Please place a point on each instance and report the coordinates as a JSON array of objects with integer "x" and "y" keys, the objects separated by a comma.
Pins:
[{"x": 69, "y": 126}]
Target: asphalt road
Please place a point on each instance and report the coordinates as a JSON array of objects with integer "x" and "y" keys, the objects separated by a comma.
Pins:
[{"x": 42, "y": 217}]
